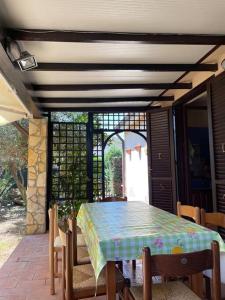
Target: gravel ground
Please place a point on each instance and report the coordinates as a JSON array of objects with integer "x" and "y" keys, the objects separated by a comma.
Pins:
[{"x": 12, "y": 228}]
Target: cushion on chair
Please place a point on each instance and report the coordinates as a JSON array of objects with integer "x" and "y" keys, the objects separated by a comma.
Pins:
[
  {"x": 174, "y": 290},
  {"x": 57, "y": 243},
  {"x": 82, "y": 255},
  {"x": 80, "y": 240},
  {"x": 84, "y": 282}
]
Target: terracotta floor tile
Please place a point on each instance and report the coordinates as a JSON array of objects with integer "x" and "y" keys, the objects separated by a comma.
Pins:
[
  {"x": 25, "y": 275},
  {"x": 8, "y": 283},
  {"x": 13, "y": 298}
]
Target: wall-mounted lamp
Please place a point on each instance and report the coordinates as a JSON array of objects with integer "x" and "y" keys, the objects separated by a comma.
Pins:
[{"x": 25, "y": 60}]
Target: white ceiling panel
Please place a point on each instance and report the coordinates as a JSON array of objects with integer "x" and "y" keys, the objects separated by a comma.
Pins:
[
  {"x": 170, "y": 16},
  {"x": 114, "y": 53},
  {"x": 100, "y": 77}
]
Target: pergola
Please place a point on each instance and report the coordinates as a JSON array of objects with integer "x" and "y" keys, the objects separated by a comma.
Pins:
[
  {"x": 112, "y": 53},
  {"x": 102, "y": 56}
]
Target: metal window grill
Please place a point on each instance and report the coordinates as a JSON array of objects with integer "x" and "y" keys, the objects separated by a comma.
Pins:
[
  {"x": 120, "y": 121},
  {"x": 69, "y": 161},
  {"x": 98, "y": 164}
]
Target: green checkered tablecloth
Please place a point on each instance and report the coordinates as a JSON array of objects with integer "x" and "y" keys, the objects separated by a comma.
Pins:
[{"x": 119, "y": 230}]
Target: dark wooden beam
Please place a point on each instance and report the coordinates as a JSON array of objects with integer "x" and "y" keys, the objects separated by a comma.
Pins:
[
  {"x": 101, "y": 109},
  {"x": 88, "y": 87},
  {"x": 101, "y": 100},
  {"x": 124, "y": 67},
  {"x": 114, "y": 37}
]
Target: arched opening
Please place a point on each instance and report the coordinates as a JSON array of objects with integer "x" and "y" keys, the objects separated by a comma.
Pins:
[{"x": 126, "y": 165}]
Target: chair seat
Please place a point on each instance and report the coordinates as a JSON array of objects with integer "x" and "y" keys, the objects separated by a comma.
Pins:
[
  {"x": 84, "y": 282},
  {"x": 80, "y": 240},
  {"x": 58, "y": 243},
  {"x": 82, "y": 255},
  {"x": 173, "y": 290}
]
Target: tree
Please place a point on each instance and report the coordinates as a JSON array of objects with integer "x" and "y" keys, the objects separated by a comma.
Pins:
[{"x": 13, "y": 152}]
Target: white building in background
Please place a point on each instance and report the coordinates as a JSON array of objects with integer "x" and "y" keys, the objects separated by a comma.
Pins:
[{"x": 136, "y": 167}]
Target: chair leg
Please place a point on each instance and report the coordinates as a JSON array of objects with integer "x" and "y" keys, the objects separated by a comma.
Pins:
[
  {"x": 126, "y": 289},
  {"x": 51, "y": 269},
  {"x": 63, "y": 275},
  {"x": 207, "y": 288},
  {"x": 56, "y": 262},
  {"x": 120, "y": 266},
  {"x": 134, "y": 264}
]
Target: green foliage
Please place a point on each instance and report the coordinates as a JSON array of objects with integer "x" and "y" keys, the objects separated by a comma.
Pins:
[
  {"x": 68, "y": 208},
  {"x": 113, "y": 170},
  {"x": 6, "y": 184},
  {"x": 78, "y": 117},
  {"x": 13, "y": 159},
  {"x": 13, "y": 145}
]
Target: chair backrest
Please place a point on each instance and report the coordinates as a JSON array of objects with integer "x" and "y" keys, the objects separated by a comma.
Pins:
[
  {"x": 67, "y": 262},
  {"x": 72, "y": 223},
  {"x": 53, "y": 225},
  {"x": 189, "y": 211},
  {"x": 211, "y": 220},
  {"x": 175, "y": 265},
  {"x": 112, "y": 199},
  {"x": 53, "y": 221}
]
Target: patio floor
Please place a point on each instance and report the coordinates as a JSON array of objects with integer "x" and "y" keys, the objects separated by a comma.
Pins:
[{"x": 24, "y": 276}]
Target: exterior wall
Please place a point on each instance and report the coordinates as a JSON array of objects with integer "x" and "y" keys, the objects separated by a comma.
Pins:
[
  {"x": 136, "y": 168},
  {"x": 37, "y": 165}
]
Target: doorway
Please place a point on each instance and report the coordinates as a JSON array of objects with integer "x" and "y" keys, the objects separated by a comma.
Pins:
[
  {"x": 193, "y": 153},
  {"x": 126, "y": 166}
]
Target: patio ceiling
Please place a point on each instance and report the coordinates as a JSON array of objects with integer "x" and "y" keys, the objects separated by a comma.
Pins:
[{"x": 113, "y": 53}]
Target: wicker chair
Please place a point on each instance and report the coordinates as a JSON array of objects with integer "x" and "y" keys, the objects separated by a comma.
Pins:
[
  {"x": 55, "y": 247},
  {"x": 79, "y": 281}
]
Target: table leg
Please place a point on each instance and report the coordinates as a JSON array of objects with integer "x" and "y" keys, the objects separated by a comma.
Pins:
[
  {"x": 197, "y": 284},
  {"x": 110, "y": 280}
]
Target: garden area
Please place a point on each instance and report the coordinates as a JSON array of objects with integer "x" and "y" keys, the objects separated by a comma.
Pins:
[{"x": 13, "y": 183}]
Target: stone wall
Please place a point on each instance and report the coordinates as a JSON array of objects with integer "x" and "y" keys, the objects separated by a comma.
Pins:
[{"x": 37, "y": 167}]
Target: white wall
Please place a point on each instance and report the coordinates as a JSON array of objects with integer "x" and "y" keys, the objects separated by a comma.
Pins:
[{"x": 136, "y": 169}]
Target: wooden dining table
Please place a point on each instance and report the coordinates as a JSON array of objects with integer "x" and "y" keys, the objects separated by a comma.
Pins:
[{"x": 118, "y": 231}]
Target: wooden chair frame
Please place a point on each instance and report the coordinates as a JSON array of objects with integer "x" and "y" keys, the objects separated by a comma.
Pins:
[
  {"x": 67, "y": 267},
  {"x": 211, "y": 220},
  {"x": 178, "y": 265},
  {"x": 215, "y": 219},
  {"x": 53, "y": 251},
  {"x": 188, "y": 211}
]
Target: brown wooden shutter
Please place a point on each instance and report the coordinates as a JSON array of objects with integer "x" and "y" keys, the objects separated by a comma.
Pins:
[
  {"x": 216, "y": 90},
  {"x": 161, "y": 159}
]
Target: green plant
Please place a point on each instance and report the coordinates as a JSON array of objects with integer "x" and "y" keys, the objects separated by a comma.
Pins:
[
  {"x": 68, "y": 208},
  {"x": 113, "y": 170}
]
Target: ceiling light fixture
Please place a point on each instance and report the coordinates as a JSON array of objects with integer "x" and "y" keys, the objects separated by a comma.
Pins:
[{"x": 25, "y": 60}]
